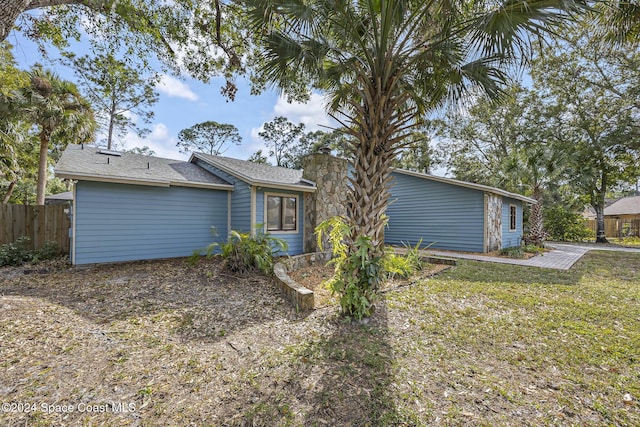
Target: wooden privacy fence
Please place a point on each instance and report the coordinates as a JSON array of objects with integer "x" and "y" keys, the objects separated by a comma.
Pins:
[
  {"x": 617, "y": 227},
  {"x": 40, "y": 223}
]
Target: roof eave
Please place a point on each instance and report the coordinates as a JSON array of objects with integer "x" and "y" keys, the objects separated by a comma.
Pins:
[
  {"x": 134, "y": 181},
  {"x": 111, "y": 179},
  {"x": 279, "y": 186},
  {"x": 245, "y": 178},
  {"x": 201, "y": 185},
  {"x": 467, "y": 185}
]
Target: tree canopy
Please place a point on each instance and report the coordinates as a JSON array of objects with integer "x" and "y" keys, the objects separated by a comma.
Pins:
[
  {"x": 120, "y": 92},
  {"x": 208, "y": 137},
  {"x": 204, "y": 39}
]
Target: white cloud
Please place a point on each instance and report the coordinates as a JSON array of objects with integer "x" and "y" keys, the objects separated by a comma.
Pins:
[
  {"x": 175, "y": 88},
  {"x": 159, "y": 140},
  {"x": 311, "y": 113}
]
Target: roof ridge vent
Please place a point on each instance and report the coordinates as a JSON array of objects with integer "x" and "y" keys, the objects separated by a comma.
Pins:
[{"x": 110, "y": 152}]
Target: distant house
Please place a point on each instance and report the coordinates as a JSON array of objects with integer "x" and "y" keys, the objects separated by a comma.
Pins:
[
  {"x": 625, "y": 208},
  {"x": 131, "y": 207},
  {"x": 59, "y": 199}
]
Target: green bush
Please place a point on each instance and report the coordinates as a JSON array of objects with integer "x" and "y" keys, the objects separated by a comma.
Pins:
[
  {"x": 565, "y": 225},
  {"x": 397, "y": 265},
  {"x": 18, "y": 252},
  {"x": 357, "y": 275},
  {"x": 533, "y": 249},
  {"x": 246, "y": 253},
  {"x": 405, "y": 265},
  {"x": 513, "y": 252},
  {"x": 50, "y": 250}
]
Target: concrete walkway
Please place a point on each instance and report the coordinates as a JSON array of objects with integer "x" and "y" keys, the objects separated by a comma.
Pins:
[{"x": 561, "y": 256}]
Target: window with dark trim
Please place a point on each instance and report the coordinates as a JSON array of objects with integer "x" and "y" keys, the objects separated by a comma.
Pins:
[
  {"x": 513, "y": 217},
  {"x": 282, "y": 213}
]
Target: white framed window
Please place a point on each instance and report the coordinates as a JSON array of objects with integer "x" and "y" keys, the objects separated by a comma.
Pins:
[
  {"x": 281, "y": 213},
  {"x": 513, "y": 217}
]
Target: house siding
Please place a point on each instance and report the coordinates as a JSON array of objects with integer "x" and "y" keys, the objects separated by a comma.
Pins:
[
  {"x": 511, "y": 238},
  {"x": 444, "y": 215},
  {"x": 294, "y": 240},
  {"x": 240, "y": 198},
  {"x": 120, "y": 222}
]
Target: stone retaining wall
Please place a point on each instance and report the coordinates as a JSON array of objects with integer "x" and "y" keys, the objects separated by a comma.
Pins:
[{"x": 301, "y": 297}]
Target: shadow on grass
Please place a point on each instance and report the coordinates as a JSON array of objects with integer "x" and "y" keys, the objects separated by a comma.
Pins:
[{"x": 344, "y": 378}]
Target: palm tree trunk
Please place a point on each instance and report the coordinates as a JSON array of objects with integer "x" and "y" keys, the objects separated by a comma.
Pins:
[
  {"x": 369, "y": 196},
  {"x": 536, "y": 231},
  {"x": 42, "y": 168}
]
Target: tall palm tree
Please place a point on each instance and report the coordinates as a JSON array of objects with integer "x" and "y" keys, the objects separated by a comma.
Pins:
[
  {"x": 61, "y": 115},
  {"x": 385, "y": 64}
]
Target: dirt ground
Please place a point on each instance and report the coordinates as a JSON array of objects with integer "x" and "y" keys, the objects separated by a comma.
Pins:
[{"x": 162, "y": 343}]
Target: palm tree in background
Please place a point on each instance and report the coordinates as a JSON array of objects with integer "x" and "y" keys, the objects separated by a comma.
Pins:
[
  {"x": 386, "y": 64},
  {"x": 61, "y": 115},
  {"x": 618, "y": 21}
]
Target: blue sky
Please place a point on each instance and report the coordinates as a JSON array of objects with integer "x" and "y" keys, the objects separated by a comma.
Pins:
[{"x": 184, "y": 102}]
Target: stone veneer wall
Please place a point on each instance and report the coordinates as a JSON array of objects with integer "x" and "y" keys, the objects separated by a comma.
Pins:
[
  {"x": 494, "y": 222},
  {"x": 330, "y": 199}
]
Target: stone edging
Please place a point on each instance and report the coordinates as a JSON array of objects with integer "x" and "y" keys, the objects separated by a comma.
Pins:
[{"x": 301, "y": 297}]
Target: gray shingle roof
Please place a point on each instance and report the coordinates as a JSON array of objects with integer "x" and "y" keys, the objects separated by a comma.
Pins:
[
  {"x": 258, "y": 174},
  {"x": 88, "y": 163},
  {"x": 625, "y": 206}
]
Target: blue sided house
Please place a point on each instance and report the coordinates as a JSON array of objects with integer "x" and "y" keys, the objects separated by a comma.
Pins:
[{"x": 132, "y": 207}]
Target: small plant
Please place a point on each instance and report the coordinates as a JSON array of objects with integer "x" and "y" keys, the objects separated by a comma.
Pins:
[
  {"x": 403, "y": 265},
  {"x": 18, "y": 252},
  {"x": 397, "y": 265},
  {"x": 412, "y": 253},
  {"x": 357, "y": 275},
  {"x": 513, "y": 252},
  {"x": 246, "y": 253}
]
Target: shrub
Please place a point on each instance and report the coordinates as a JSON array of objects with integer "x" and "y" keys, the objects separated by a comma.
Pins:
[
  {"x": 18, "y": 252},
  {"x": 246, "y": 253},
  {"x": 564, "y": 225},
  {"x": 49, "y": 250},
  {"x": 406, "y": 265},
  {"x": 357, "y": 275},
  {"x": 397, "y": 265},
  {"x": 533, "y": 249},
  {"x": 513, "y": 252}
]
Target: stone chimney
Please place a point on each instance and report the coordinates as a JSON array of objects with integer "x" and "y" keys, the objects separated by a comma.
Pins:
[{"x": 330, "y": 199}]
